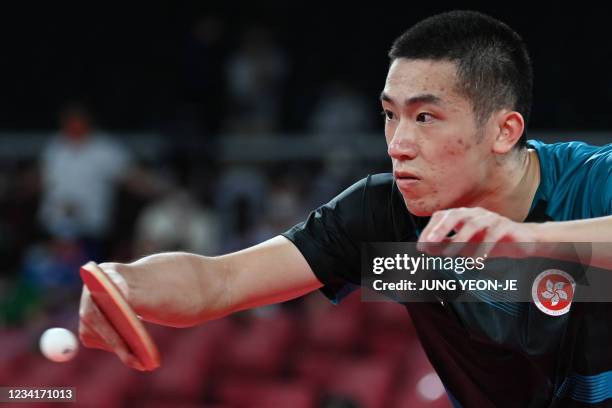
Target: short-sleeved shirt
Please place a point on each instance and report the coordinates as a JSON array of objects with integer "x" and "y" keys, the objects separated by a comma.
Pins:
[
  {"x": 486, "y": 354},
  {"x": 81, "y": 177}
]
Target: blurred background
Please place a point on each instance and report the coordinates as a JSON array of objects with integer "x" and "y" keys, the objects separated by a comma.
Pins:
[{"x": 134, "y": 129}]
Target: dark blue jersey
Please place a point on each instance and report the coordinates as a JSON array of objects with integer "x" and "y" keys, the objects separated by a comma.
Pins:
[{"x": 488, "y": 354}]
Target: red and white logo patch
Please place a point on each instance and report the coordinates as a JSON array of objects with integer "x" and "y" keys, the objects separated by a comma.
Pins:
[{"x": 553, "y": 291}]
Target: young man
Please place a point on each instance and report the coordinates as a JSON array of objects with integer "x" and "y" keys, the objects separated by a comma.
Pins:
[{"x": 456, "y": 100}]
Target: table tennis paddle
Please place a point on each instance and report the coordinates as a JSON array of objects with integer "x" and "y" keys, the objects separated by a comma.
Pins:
[{"x": 111, "y": 302}]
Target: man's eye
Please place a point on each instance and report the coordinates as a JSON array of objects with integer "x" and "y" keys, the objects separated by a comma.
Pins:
[
  {"x": 387, "y": 114},
  {"x": 424, "y": 117}
]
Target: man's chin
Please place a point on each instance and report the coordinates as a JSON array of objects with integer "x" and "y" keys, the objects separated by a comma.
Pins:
[{"x": 421, "y": 208}]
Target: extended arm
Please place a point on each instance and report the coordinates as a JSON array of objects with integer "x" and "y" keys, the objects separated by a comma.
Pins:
[{"x": 181, "y": 289}]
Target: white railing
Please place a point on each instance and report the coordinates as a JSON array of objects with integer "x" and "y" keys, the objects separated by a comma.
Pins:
[{"x": 260, "y": 148}]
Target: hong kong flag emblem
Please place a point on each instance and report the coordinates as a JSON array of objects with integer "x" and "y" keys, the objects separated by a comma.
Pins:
[{"x": 553, "y": 291}]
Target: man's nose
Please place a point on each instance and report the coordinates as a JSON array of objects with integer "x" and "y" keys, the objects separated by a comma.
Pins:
[{"x": 402, "y": 146}]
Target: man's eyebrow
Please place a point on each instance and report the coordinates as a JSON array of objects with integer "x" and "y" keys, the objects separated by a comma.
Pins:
[{"x": 422, "y": 98}]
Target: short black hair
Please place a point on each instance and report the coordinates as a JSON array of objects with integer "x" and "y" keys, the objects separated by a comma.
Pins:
[{"x": 493, "y": 67}]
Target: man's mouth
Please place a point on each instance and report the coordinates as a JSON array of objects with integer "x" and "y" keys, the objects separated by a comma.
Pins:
[
  {"x": 405, "y": 175},
  {"x": 406, "y": 180}
]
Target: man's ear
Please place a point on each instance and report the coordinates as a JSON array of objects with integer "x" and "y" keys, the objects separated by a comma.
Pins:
[{"x": 509, "y": 126}]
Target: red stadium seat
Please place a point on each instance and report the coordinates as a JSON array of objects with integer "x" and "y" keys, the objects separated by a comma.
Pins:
[
  {"x": 388, "y": 316},
  {"x": 368, "y": 382},
  {"x": 108, "y": 385},
  {"x": 421, "y": 386},
  {"x": 318, "y": 367},
  {"x": 391, "y": 344},
  {"x": 189, "y": 364},
  {"x": 261, "y": 347},
  {"x": 39, "y": 371},
  {"x": 266, "y": 394},
  {"x": 16, "y": 346},
  {"x": 336, "y": 328}
]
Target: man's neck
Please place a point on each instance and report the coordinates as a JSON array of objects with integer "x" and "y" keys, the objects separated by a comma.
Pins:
[{"x": 513, "y": 194}]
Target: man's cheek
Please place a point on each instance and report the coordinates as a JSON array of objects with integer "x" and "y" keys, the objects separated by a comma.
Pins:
[{"x": 454, "y": 150}]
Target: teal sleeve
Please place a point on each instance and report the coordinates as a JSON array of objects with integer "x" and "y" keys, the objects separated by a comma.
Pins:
[
  {"x": 600, "y": 178},
  {"x": 576, "y": 179},
  {"x": 606, "y": 202}
]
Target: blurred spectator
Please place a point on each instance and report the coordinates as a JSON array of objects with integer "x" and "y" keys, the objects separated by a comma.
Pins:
[
  {"x": 81, "y": 173},
  {"x": 81, "y": 170},
  {"x": 256, "y": 74},
  {"x": 52, "y": 265},
  {"x": 341, "y": 110},
  {"x": 180, "y": 219},
  {"x": 177, "y": 222},
  {"x": 50, "y": 270}
]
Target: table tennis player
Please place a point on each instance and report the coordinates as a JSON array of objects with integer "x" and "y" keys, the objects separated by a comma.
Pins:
[{"x": 456, "y": 103}]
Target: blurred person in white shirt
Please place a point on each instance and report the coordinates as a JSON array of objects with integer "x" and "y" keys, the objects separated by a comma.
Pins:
[{"x": 81, "y": 171}]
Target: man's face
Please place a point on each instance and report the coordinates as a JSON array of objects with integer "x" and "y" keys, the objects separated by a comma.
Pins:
[
  {"x": 440, "y": 158},
  {"x": 75, "y": 126}
]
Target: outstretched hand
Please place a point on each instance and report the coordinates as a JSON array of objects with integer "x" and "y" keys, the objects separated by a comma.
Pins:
[{"x": 477, "y": 226}]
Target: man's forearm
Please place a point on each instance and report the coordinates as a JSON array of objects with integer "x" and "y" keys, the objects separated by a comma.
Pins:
[
  {"x": 182, "y": 289},
  {"x": 200, "y": 283},
  {"x": 597, "y": 232},
  {"x": 589, "y": 230}
]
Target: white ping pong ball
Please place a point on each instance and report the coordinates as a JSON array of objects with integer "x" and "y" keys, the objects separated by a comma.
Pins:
[{"x": 59, "y": 345}]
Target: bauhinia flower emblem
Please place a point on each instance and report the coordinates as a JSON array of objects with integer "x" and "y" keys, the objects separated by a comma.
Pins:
[{"x": 554, "y": 291}]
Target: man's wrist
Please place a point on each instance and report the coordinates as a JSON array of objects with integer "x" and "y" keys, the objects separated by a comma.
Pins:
[{"x": 544, "y": 231}]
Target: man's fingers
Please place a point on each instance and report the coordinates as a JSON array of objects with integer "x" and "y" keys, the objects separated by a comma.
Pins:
[
  {"x": 90, "y": 339},
  {"x": 435, "y": 218},
  {"x": 107, "y": 332},
  {"x": 96, "y": 331},
  {"x": 439, "y": 226},
  {"x": 473, "y": 226},
  {"x": 87, "y": 334}
]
